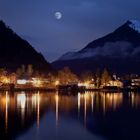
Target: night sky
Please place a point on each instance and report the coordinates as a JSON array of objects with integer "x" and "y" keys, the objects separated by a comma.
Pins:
[{"x": 82, "y": 21}]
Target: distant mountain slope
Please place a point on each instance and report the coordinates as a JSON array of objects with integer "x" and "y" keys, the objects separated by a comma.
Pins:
[
  {"x": 118, "y": 51},
  {"x": 14, "y": 51}
]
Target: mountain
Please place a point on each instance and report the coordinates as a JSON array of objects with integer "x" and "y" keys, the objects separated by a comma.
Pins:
[
  {"x": 15, "y": 51},
  {"x": 118, "y": 51}
]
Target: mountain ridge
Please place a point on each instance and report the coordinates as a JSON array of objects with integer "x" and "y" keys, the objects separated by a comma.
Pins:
[
  {"x": 15, "y": 51},
  {"x": 122, "y": 44}
]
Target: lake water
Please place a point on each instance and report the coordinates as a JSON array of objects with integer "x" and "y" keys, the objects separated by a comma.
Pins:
[{"x": 89, "y": 116}]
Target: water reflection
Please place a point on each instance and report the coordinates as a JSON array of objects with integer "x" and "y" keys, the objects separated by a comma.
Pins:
[
  {"x": 21, "y": 100},
  {"x": 19, "y": 111},
  {"x": 57, "y": 105},
  {"x": 92, "y": 96},
  {"x": 38, "y": 109},
  {"x": 101, "y": 101},
  {"x": 134, "y": 99},
  {"x": 79, "y": 96},
  {"x": 85, "y": 108},
  {"x": 6, "y": 111},
  {"x": 21, "y": 104}
]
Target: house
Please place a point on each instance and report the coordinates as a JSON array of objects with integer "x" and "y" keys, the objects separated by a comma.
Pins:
[
  {"x": 135, "y": 82},
  {"x": 115, "y": 83}
]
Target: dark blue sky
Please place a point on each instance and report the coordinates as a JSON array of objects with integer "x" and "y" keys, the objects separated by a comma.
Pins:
[{"x": 82, "y": 21}]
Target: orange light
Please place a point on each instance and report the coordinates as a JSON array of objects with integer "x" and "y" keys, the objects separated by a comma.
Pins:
[{"x": 57, "y": 82}]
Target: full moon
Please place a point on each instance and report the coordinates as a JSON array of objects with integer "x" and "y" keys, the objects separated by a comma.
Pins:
[{"x": 58, "y": 15}]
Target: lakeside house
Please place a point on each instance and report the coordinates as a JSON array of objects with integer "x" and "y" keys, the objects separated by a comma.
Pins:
[
  {"x": 135, "y": 82},
  {"x": 32, "y": 82},
  {"x": 115, "y": 83}
]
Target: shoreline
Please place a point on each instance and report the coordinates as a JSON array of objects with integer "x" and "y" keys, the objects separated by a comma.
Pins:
[{"x": 70, "y": 91}]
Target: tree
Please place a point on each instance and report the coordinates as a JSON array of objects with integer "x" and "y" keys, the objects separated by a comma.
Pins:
[
  {"x": 86, "y": 76},
  {"x": 105, "y": 78},
  {"x": 29, "y": 70},
  {"x": 19, "y": 72},
  {"x": 2, "y": 72},
  {"x": 3, "y": 75},
  {"x": 97, "y": 78},
  {"x": 36, "y": 73},
  {"x": 23, "y": 69},
  {"x": 127, "y": 77},
  {"x": 65, "y": 76}
]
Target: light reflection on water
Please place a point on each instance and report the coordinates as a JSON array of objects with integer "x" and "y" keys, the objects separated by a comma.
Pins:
[
  {"x": 57, "y": 106},
  {"x": 89, "y": 111}
]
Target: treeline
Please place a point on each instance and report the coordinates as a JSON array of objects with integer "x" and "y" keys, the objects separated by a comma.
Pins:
[
  {"x": 29, "y": 71},
  {"x": 99, "y": 77},
  {"x": 65, "y": 76}
]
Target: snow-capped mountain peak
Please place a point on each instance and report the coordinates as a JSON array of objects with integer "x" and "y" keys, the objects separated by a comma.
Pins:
[
  {"x": 118, "y": 51},
  {"x": 134, "y": 24},
  {"x": 123, "y": 42}
]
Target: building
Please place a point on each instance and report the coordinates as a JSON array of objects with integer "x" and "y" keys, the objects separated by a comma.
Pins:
[
  {"x": 115, "y": 83},
  {"x": 135, "y": 82}
]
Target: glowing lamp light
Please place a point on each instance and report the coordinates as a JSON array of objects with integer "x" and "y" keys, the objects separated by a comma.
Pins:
[
  {"x": 6, "y": 80},
  {"x": 86, "y": 84},
  {"x": 80, "y": 84},
  {"x": 36, "y": 82},
  {"x": 21, "y": 82},
  {"x": 57, "y": 82}
]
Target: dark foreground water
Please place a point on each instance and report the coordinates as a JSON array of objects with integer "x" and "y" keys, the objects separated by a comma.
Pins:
[{"x": 89, "y": 116}]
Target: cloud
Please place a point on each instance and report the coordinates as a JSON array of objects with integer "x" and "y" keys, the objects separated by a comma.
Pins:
[
  {"x": 136, "y": 51},
  {"x": 110, "y": 49}
]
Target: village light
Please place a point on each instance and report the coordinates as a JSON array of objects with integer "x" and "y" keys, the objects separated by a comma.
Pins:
[
  {"x": 87, "y": 83},
  {"x": 80, "y": 84},
  {"x": 6, "y": 80},
  {"x": 21, "y": 82},
  {"x": 36, "y": 82},
  {"x": 57, "y": 82}
]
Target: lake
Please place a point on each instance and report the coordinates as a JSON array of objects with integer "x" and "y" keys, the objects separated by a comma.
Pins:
[{"x": 88, "y": 116}]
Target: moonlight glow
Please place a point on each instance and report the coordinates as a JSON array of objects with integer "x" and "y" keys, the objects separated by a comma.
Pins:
[{"x": 58, "y": 15}]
